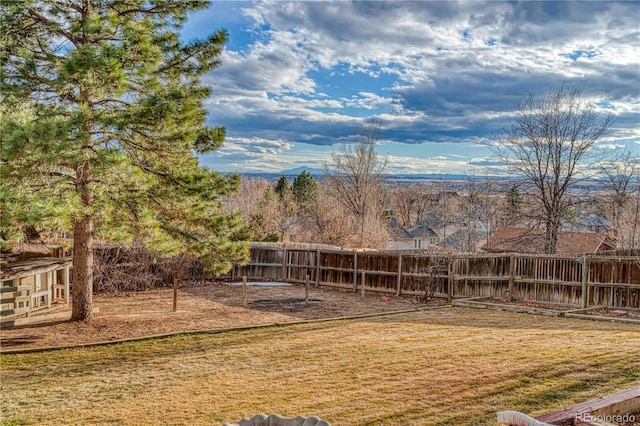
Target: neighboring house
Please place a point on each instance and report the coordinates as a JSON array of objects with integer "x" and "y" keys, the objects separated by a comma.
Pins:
[
  {"x": 31, "y": 280},
  {"x": 402, "y": 240},
  {"x": 418, "y": 237},
  {"x": 590, "y": 223},
  {"x": 443, "y": 229},
  {"x": 422, "y": 236},
  {"x": 520, "y": 240},
  {"x": 464, "y": 241},
  {"x": 430, "y": 221}
]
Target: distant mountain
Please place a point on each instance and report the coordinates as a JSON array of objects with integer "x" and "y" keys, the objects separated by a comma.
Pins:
[
  {"x": 298, "y": 170},
  {"x": 288, "y": 173}
]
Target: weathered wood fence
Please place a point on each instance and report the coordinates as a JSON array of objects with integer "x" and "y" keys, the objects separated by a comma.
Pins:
[{"x": 583, "y": 281}]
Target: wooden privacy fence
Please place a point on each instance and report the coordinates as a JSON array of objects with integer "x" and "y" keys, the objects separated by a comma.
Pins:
[{"x": 583, "y": 281}]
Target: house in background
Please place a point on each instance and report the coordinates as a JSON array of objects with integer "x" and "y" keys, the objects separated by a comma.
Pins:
[
  {"x": 589, "y": 223},
  {"x": 521, "y": 240},
  {"x": 464, "y": 241},
  {"x": 422, "y": 236},
  {"x": 418, "y": 237}
]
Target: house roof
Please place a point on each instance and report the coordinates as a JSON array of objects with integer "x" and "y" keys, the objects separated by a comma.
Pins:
[
  {"x": 430, "y": 221},
  {"x": 593, "y": 220},
  {"x": 461, "y": 239},
  {"x": 29, "y": 258},
  {"x": 420, "y": 231},
  {"x": 521, "y": 240}
]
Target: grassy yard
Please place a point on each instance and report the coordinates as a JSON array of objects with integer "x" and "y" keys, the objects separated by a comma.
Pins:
[{"x": 448, "y": 366}]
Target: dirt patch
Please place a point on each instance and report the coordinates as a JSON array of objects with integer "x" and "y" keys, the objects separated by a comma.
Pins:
[{"x": 211, "y": 306}]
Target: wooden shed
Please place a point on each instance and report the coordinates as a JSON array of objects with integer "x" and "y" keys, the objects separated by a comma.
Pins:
[{"x": 30, "y": 285}]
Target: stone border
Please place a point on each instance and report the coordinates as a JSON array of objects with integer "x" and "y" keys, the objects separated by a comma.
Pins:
[
  {"x": 603, "y": 318},
  {"x": 473, "y": 302},
  {"x": 581, "y": 313},
  {"x": 210, "y": 331}
]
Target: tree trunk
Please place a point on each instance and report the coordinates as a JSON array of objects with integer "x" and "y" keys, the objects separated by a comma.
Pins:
[
  {"x": 82, "y": 278},
  {"x": 551, "y": 237}
]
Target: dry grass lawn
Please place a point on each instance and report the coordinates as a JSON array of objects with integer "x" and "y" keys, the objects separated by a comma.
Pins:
[{"x": 447, "y": 366}]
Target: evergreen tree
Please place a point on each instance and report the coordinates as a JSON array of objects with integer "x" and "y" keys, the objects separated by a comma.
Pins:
[
  {"x": 305, "y": 192},
  {"x": 102, "y": 112},
  {"x": 514, "y": 204},
  {"x": 282, "y": 186}
]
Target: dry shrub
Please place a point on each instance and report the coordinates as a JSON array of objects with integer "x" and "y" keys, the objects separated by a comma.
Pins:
[
  {"x": 438, "y": 272},
  {"x": 137, "y": 268}
]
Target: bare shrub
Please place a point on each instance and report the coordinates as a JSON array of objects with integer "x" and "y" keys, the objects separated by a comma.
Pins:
[
  {"x": 137, "y": 268},
  {"x": 438, "y": 272}
]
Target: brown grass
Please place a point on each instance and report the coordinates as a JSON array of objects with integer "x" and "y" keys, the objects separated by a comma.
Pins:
[{"x": 448, "y": 366}]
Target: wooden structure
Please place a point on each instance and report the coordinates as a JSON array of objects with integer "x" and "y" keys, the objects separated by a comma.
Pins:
[
  {"x": 31, "y": 285},
  {"x": 621, "y": 406},
  {"x": 579, "y": 280}
]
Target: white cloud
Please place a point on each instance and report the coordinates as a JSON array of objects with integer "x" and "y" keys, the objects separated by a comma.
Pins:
[
  {"x": 609, "y": 146},
  {"x": 431, "y": 71}
]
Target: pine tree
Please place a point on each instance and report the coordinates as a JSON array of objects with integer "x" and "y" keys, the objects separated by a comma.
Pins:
[
  {"x": 102, "y": 114},
  {"x": 305, "y": 192},
  {"x": 514, "y": 205},
  {"x": 282, "y": 186}
]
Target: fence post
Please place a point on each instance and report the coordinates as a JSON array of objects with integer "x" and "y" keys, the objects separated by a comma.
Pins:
[
  {"x": 355, "y": 271},
  {"x": 399, "y": 275},
  {"x": 233, "y": 271},
  {"x": 244, "y": 290},
  {"x": 175, "y": 294},
  {"x": 284, "y": 264},
  {"x": 585, "y": 280},
  {"x": 512, "y": 268},
  {"x": 306, "y": 290},
  {"x": 362, "y": 284},
  {"x": 317, "y": 267},
  {"x": 450, "y": 280}
]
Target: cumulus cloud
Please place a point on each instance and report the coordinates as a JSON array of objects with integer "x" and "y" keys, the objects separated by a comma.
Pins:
[{"x": 431, "y": 71}]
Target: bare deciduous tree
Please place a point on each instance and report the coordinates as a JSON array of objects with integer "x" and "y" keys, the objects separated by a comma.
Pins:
[
  {"x": 248, "y": 197},
  {"x": 329, "y": 222},
  {"x": 355, "y": 172},
  {"x": 550, "y": 144},
  {"x": 619, "y": 175},
  {"x": 410, "y": 203},
  {"x": 287, "y": 211}
]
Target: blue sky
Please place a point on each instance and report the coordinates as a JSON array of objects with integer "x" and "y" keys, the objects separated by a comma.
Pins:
[{"x": 298, "y": 78}]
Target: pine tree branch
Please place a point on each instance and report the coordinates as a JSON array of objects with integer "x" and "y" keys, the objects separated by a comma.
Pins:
[{"x": 66, "y": 34}]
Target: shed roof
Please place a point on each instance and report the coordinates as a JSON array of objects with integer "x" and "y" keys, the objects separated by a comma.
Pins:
[{"x": 10, "y": 270}]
